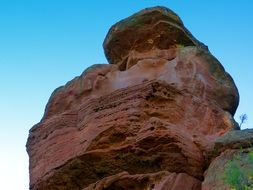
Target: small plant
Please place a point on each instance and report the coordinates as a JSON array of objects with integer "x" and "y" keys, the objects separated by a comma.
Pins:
[{"x": 243, "y": 119}]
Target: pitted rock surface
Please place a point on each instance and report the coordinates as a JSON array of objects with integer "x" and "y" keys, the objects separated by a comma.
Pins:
[{"x": 150, "y": 121}]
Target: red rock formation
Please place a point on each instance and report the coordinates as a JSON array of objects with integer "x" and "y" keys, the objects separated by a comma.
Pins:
[
  {"x": 149, "y": 120},
  {"x": 158, "y": 181}
]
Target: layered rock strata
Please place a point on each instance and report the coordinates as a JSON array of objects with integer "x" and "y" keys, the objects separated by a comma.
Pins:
[{"x": 148, "y": 120}]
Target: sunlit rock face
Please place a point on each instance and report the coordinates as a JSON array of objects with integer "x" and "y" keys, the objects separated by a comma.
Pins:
[{"x": 148, "y": 120}]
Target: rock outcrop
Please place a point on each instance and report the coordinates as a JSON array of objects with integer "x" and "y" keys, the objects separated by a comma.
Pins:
[
  {"x": 233, "y": 166},
  {"x": 151, "y": 119}
]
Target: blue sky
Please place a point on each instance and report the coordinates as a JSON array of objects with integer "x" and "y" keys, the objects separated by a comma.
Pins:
[{"x": 45, "y": 43}]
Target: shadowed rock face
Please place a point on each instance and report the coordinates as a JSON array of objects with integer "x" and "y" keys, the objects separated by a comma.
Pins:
[
  {"x": 149, "y": 120},
  {"x": 152, "y": 28},
  {"x": 158, "y": 181}
]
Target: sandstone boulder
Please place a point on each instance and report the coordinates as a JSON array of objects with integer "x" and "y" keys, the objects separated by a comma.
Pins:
[
  {"x": 237, "y": 139},
  {"x": 152, "y": 28}
]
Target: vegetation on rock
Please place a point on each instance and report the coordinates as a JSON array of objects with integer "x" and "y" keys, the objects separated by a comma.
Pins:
[{"x": 236, "y": 175}]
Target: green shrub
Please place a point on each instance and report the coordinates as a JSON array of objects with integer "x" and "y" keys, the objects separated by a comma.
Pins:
[{"x": 238, "y": 177}]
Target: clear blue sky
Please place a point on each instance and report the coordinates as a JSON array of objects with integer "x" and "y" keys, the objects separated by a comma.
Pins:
[{"x": 45, "y": 43}]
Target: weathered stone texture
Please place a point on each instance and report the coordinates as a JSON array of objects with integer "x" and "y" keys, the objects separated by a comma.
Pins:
[{"x": 148, "y": 120}]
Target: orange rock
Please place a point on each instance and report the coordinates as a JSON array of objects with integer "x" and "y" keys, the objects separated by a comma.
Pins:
[{"x": 157, "y": 119}]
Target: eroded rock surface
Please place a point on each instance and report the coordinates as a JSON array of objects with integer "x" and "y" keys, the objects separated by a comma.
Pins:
[{"x": 149, "y": 120}]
